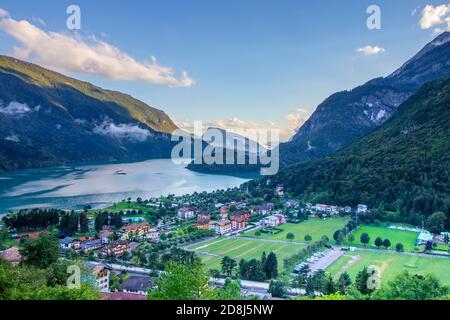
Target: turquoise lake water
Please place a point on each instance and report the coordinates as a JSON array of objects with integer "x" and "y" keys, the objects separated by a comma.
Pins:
[{"x": 100, "y": 185}]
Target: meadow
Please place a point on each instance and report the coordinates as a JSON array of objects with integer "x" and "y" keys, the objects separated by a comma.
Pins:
[
  {"x": 314, "y": 227},
  {"x": 212, "y": 252},
  {"x": 407, "y": 238},
  {"x": 391, "y": 264}
]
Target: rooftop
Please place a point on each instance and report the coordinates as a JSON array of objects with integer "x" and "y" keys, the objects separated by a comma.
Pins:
[{"x": 136, "y": 283}]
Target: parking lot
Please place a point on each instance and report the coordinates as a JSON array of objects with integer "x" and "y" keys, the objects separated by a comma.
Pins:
[{"x": 321, "y": 260}]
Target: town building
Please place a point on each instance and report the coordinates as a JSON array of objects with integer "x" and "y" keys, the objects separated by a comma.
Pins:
[
  {"x": 291, "y": 204},
  {"x": 69, "y": 243},
  {"x": 203, "y": 220},
  {"x": 122, "y": 296},
  {"x": 220, "y": 227},
  {"x": 223, "y": 212},
  {"x": 273, "y": 221},
  {"x": 11, "y": 255},
  {"x": 90, "y": 245},
  {"x": 134, "y": 231},
  {"x": 138, "y": 285},
  {"x": 424, "y": 238},
  {"x": 362, "y": 208},
  {"x": 279, "y": 191},
  {"x": 324, "y": 208},
  {"x": 186, "y": 213},
  {"x": 239, "y": 222},
  {"x": 267, "y": 208},
  {"x": 115, "y": 248},
  {"x": 99, "y": 273}
]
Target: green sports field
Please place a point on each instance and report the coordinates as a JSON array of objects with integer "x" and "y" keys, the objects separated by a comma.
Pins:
[
  {"x": 391, "y": 264},
  {"x": 314, "y": 227},
  {"x": 407, "y": 238},
  {"x": 213, "y": 251}
]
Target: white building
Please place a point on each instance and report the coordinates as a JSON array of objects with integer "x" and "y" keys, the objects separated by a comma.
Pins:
[
  {"x": 327, "y": 208},
  {"x": 362, "y": 208},
  {"x": 186, "y": 213},
  {"x": 100, "y": 274},
  {"x": 273, "y": 221},
  {"x": 220, "y": 227}
]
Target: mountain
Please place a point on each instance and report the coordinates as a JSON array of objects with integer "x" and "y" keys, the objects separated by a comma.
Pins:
[
  {"x": 232, "y": 140},
  {"x": 227, "y": 143},
  {"x": 348, "y": 115},
  {"x": 49, "y": 119},
  {"x": 403, "y": 166}
]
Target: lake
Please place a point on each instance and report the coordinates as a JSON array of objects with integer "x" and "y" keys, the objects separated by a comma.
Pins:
[{"x": 100, "y": 185}]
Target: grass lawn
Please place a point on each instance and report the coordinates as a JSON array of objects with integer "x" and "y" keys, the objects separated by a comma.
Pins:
[
  {"x": 391, "y": 264},
  {"x": 407, "y": 238},
  {"x": 314, "y": 227},
  {"x": 213, "y": 251}
]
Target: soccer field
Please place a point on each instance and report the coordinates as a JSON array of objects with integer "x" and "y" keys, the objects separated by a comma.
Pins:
[
  {"x": 407, "y": 238},
  {"x": 391, "y": 264},
  {"x": 314, "y": 227},
  {"x": 213, "y": 251}
]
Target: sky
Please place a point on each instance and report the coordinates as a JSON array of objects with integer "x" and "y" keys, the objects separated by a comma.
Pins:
[{"x": 232, "y": 64}]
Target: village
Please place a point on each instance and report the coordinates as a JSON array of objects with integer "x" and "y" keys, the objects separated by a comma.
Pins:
[{"x": 124, "y": 246}]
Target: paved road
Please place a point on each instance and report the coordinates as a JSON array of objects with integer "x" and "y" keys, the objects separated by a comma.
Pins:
[
  {"x": 328, "y": 259},
  {"x": 119, "y": 267}
]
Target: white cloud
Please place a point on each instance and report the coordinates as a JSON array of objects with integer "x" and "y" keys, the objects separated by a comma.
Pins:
[
  {"x": 122, "y": 131},
  {"x": 434, "y": 16},
  {"x": 88, "y": 55},
  {"x": 286, "y": 130},
  {"x": 40, "y": 21},
  {"x": 13, "y": 138},
  {"x": 370, "y": 50},
  {"x": 15, "y": 108},
  {"x": 3, "y": 13}
]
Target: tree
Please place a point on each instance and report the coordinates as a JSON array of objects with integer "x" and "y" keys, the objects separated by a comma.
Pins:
[
  {"x": 228, "y": 265},
  {"x": 271, "y": 266},
  {"x": 278, "y": 289},
  {"x": 336, "y": 235},
  {"x": 399, "y": 247},
  {"x": 364, "y": 239},
  {"x": 344, "y": 282},
  {"x": 230, "y": 291},
  {"x": 412, "y": 287},
  {"x": 308, "y": 238},
  {"x": 386, "y": 243},
  {"x": 180, "y": 282},
  {"x": 339, "y": 237},
  {"x": 378, "y": 242},
  {"x": 362, "y": 281},
  {"x": 40, "y": 252},
  {"x": 84, "y": 223},
  {"x": 290, "y": 236},
  {"x": 436, "y": 222},
  {"x": 351, "y": 238},
  {"x": 252, "y": 270}
]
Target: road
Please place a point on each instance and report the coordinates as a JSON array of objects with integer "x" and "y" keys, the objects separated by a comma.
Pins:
[
  {"x": 119, "y": 267},
  {"x": 328, "y": 259}
]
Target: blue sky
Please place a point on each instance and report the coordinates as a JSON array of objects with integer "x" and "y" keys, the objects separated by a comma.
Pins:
[{"x": 253, "y": 60}]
